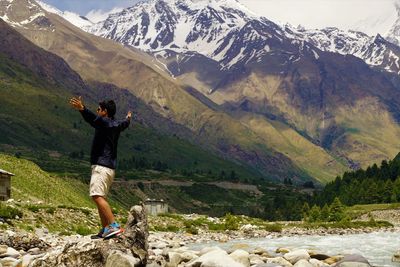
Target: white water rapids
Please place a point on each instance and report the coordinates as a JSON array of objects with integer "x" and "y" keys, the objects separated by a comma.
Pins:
[{"x": 377, "y": 247}]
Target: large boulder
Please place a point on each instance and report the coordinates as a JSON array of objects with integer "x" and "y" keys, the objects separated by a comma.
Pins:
[
  {"x": 353, "y": 260},
  {"x": 132, "y": 244}
]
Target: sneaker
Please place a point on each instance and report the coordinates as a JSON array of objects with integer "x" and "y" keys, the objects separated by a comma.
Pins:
[
  {"x": 112, "y": 230},
  {"x": 99, "y": 235}
]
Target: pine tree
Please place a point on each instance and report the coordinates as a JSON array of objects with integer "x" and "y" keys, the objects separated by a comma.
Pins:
[{"x": 336, "y": 210}]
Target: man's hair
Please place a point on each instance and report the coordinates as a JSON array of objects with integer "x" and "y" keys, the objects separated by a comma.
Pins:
[{"x": 110, "y": 106}]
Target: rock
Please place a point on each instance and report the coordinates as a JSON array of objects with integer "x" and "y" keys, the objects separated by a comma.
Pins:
[
  {"x": 282, "y": 250},
  {"x": 318, "y": 263},
  {"x": 209, "y": 249},
  {"x": 318, "y": 256},
  {"x": 174, "y": 258},
  {"x": 303, "y": 263},
  {"x": 396, "y": 257},
  {"x": 255, "y": 259},
  {"x": 214, "y": 258},
  {"x": 11, "y": 253},
  {"x": 296, "y": 255},
  {"x": 280, "y": 261},
  {"x": 8, "y": 262},
  {"x": 260, "y": 251},
  {"x": 268, "y": 265},
  {"x": 353, "y": 260},
  {"x": 3, "y": 249},
  {"x": 24, "y": 241},
  {"x": 332, "y": 260},
  {"x": 92, "y": 253},
  {"x": 188, "y": 256},
  {"x": 241, "y": 256},
  {"x": 34, "y": 251},
  {"x": 117, "y": 258},
  {"x": 27, "y": 259}
]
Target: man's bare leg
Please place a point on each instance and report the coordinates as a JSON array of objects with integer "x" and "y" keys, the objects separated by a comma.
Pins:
[{"x": 105, "y": 212}]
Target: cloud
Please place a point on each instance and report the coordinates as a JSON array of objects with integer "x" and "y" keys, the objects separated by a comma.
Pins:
[{"x": 100, "y": 15}]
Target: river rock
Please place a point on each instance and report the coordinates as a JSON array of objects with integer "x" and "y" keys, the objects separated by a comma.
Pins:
[
  {"x": 174, "y": 258},
  {"x": 282, "y": 250},
  {"x": 396, "y": 257},
  {"x": 260, "y": 251},
  {"x": 280, "y": 261},
  {"x": 241, "y": 256},
  {"x": 318, "y": 263},
  {"x": 303, "y": 263},
  {"x": 11, "y": 253},
  {"x": 214, "y": 258},
  {"x": 296, "y": 255},
  {"x": 353, "y": 260},
  {"x": 3, "y": 249},
  {"x": 9, "y": 262},
  {"x": 255, "y": 259},
  {"x": 268, "y": 265},
  {"x": 209, "y": 249},
  {"x": 117, "y": 258},
  {"x": 188, "y": 256}
]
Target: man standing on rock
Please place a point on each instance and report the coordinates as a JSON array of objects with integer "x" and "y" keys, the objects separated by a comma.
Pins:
[{"x": 103, "y": 158}]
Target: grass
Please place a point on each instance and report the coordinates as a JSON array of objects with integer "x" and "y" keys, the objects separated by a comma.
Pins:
[
  {"x": 357, "y": 210},
  {"x": 31, "y": 182}
]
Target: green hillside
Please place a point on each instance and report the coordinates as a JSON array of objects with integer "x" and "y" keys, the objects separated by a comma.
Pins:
[{"x": 32, "y": 183}]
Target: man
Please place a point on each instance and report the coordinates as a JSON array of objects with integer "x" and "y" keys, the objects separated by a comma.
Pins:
[{"x": 103, "y": 158}]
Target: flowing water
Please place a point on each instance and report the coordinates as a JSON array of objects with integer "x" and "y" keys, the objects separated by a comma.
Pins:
[{"x": 377, "y": 247}]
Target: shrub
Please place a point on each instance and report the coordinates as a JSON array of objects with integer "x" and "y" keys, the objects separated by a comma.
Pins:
[
  {"x": 231, "y": 222},
  {"x": 82, "y": 229},
  {"x": 7, "y": 212},
  {"x": 276, "y": 227},
  {"x": 51, "y": 210}
]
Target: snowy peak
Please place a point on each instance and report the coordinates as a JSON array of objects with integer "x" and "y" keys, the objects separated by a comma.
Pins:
[
  {"x": 374, "y": 50},
  {"x": 209, "y": 27},
  {"x": 73, "y": 18},
  {"x": 394, "y": 33},
  {"x": 21, "y": 13}
]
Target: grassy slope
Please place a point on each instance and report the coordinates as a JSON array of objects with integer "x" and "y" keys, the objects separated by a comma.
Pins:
[
  {"x": 31, "y": 182},
  {"x": 313, "y": 159}
]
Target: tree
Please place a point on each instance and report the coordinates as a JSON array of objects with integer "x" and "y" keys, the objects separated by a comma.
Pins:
[
  {"x": 315, "y": 214},
  {"x": 325, "y": 212},
  {"x": 305, "y": 210},
  {"x": 336, "y": 210}
]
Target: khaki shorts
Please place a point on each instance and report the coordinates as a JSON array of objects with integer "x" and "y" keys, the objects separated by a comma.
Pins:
[{"x": 101, "y": 180}]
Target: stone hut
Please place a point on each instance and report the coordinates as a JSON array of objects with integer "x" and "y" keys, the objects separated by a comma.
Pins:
[
  {"x": 155, "y": 207},
  {"x": 5, "y": 184}
]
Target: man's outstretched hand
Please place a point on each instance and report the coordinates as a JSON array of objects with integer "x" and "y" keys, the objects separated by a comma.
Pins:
[
  {"x": 129, "y": 115},
  {"x": 77, "y": 103}
]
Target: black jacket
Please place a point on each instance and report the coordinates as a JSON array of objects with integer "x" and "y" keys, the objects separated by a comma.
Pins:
[{"x": 105, "y": 141}]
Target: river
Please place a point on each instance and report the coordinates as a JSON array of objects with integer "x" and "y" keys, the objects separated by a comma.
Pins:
[{"x": 377, "y": 247}]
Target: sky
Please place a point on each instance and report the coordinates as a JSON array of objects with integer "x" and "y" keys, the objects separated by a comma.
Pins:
[{"x": 370, "y": 16}]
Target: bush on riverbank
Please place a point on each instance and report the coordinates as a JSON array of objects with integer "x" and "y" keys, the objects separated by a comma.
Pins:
[{"x": 344, "y": 224}]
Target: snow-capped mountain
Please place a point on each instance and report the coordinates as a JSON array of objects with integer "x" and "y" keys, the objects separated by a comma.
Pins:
[
  {"x": 210, "y": 28},
  {"x": 73, "y": 18},
  {"x": 375, "y": 51},
  {"x": 394, "y": 33},
  {"x": 230, "y": 34}
]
